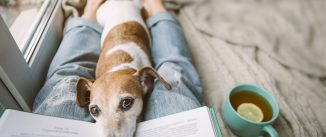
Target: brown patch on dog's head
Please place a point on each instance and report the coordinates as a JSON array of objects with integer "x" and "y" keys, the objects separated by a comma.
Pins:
[{"x": 129, "y": 81}]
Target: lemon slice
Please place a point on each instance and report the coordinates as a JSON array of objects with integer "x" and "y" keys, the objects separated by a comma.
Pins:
[{"x": 251, "y": 112}]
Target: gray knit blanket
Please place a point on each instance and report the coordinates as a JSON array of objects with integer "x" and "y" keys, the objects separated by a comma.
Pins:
[{"x": 276, "y": 44}]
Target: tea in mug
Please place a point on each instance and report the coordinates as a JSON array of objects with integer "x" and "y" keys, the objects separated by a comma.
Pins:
[{"x": 251, "y": 106}]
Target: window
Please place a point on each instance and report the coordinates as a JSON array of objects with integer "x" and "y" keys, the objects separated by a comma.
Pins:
[
  {"x": 30, "y": 34},
  {"x": 20, "y": 18},
  {"x": 25, "y": 20}
]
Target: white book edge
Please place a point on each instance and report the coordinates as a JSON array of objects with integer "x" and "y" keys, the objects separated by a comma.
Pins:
[{"x": 192, "y": 123}]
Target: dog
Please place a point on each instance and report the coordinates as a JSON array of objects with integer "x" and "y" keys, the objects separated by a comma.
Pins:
[{"x": 124, "y": 76}]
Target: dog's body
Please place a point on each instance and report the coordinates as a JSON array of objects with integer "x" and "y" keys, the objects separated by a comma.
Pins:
[
  {"x": 124, "y": 74},
  {"x": 125, "y": 35}
]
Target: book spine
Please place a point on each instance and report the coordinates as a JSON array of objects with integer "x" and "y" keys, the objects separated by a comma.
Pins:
[{"x": 217, "y": 126}]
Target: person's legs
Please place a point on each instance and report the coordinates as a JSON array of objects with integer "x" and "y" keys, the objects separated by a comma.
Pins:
[
  {"x": 172, "y": 60},
  {"x": 76, "y": 57}
]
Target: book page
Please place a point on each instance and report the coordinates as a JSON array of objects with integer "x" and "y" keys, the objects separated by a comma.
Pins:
[
  {"x": 193, "y": 123},
  {"x": 21, "y": 124}
]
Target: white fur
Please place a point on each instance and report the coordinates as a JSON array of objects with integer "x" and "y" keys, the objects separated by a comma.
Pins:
[
  {"x": 115, "y": 12},
  {"x": 140, "y": 58},
  {"x": 110, "y": 116},
  {"x": 109, "y": 15}
]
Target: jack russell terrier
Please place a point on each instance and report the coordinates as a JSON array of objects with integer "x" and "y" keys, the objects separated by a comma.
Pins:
[{"x": 124, "y": 75}]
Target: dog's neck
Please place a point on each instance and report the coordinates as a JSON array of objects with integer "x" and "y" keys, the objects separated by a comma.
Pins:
[{"x": 138, "y": 57}]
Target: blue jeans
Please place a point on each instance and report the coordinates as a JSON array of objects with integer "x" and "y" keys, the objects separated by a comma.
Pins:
[{"x": 77, "y": 57}]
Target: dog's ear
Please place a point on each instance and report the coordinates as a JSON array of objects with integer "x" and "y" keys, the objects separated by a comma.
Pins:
[
  {"x": 83, "y": 91},
  {"x": 146, "y": 76}
]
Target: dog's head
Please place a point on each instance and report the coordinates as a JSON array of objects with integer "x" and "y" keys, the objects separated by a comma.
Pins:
[{"x": 115, "y": 100}]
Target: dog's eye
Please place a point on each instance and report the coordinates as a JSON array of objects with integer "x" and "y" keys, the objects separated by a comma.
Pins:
[
  {"x": 126, "y": 103},
  {"x": 95, "y": 110}
]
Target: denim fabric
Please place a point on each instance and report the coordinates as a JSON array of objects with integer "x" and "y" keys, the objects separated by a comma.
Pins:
[
  {"x": 172, "y": 61},
  {"x": 76, "y": 57},
  {"x": 78, "y": 54}
]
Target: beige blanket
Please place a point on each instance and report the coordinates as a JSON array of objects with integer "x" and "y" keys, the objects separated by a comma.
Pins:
[{"x": 276, "y": 44}]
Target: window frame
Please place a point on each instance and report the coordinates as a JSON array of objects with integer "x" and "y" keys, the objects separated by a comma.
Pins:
[
  {"x": 43, "y": 19},
  {"x": 24, "y": 74}
]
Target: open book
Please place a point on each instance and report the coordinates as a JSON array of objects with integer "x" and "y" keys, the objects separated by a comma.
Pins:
[{"x": 200, "y": 122}]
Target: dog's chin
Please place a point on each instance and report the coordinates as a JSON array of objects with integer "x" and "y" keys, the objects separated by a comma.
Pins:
[
  {"x": 124, "y": 131},
  {"x": 107, "y": 133}
]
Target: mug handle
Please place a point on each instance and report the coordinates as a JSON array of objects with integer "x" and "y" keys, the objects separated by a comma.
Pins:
[{"x": 271, "y": 131}]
